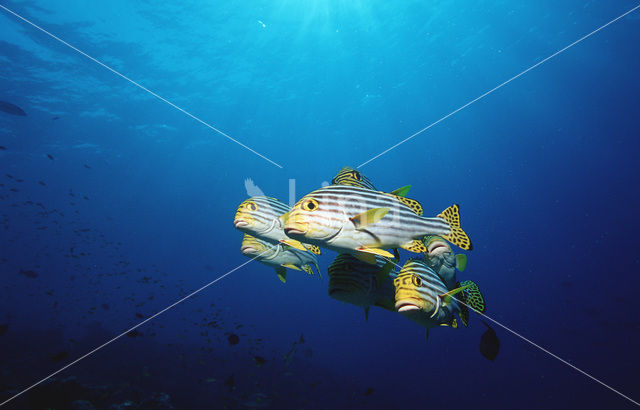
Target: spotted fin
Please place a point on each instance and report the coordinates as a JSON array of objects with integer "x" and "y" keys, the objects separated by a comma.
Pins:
[
  {"x": 376, "y": 251},
  {"x": 473, "y": 297},
  {"x": 290, "y": 266},
  {"x": 411, "y": 203},
  {"x": 368, "y": 217},
  {"x": 312, "y": 248},
  {"x": 401, "y": 191},
  {"x": 461, "y": 262},
  {"x": 307, "y": 269},
  {"x": 457, "y": 236},
  {"x": 416, "y": 246},
  {"x": 282, "y": 274},
  {"x": 464, "y": 315},
  {"x": 294, "y": 244}
]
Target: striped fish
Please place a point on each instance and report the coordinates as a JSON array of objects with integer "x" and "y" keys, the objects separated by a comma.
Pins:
[
  {"x": 362, "y": 284},
  {"x": 441, "y": 258},
  {"x": 422, "y": 296},
  {"x": 279, "y": 256},
  {"x": 360, "y": 221},
  {"x": 263, "y": 217},
  {"x": 352, "y": 177}
]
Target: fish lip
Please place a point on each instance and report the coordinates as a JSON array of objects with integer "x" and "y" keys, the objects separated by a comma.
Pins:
[
  {"x": 291, "y": 231},
  {"x": 406, "y": 305},
  {"x": 435, "y": 246},
  {"x": 240, "y": 223},
  {"x": 248, "y": 249}
]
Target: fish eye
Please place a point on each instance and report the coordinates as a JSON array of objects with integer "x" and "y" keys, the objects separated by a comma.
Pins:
[
  {"x": 416, "y": 280},
  {"x": 356, "y": 175},
  {"x": 310, "y": 205},
  {"x": 252, "y": 206}
]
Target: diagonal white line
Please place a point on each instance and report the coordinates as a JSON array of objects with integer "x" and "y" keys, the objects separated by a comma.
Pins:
[
  {"x": 499, "y": 86},
  {"x": 133, "y": 328},
  {"x": 532, "y": 343},
  {"x": 206, "y": 124}
]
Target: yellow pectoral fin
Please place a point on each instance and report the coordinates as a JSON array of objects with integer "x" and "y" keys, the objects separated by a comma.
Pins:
[
  {"x": 368, "y": 217},
  {"x": 290, "y": 266},
  {"x": 366, "y": 257},
  {"x": 446, "y": 297},
  {"x": 294, "y": 244},
  {"x": 461, "y": 262},
  {"x": 376, "y": 251},
  {"x": 401, "y": 191}
]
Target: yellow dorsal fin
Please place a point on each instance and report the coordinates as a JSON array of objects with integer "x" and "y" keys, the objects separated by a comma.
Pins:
[
  {"x": 294, "y": 244},
  {"x": 312, "y": 248},
  {"x": 366, "y": 257},
  {"x": 401, "y": 191},
  {"x": 457, "y": 236},
  {"x": 411, "y": 203},
  {"x": 415, "y": 246},
  {"x": 290, "y": 266},
  {"x": 376, "y": 251},
  {"x": 368, "y": 217}
]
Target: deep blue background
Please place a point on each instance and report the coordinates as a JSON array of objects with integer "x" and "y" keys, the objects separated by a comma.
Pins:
[{"x": 544, "y": 169}]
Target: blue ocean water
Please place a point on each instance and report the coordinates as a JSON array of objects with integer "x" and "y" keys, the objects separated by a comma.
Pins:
[{"x": 115, "y": 205}]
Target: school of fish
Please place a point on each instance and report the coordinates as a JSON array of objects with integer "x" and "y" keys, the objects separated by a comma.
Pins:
[{"x": 366, "y": 227}]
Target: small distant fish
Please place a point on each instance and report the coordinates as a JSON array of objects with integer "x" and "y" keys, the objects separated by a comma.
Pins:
[
  {"x": 9, "y": 176},
  {"x": 58, "y": 357},
  {"x": 42, "y": 183},
  {"x": 259, "y": 360},
  {"x": 2, "y": 148},
  {"x": 28, "y": 273},
  {"x": 369, "y": 391},
  {"x": 4, "y": 328},
  {"x": 11, "y": 108},
  {"x": 262, "y": 24},
  {"x": 105, "y": 306},
  {"x": 87, "y": 166},
  {"x": 139, "y": 315},
  {"x": 230, "y": 382},
  {"x": 55, "y": 118},
  {"x": 489, "y": 343},
  {"x": 134, "y": 333},
  {"x": 50, "y": 157},
  {"x": 233, "y": 339}
]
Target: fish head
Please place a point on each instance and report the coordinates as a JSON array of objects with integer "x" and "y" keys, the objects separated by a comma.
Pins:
[
  {"x": 352, "y": 177},
  {"x": 439, "y": 252},
  {"x": 314, "y": 219},
  {"x": 258, "y": 215},
  {"x": 252, "y": 246},
  {"x": 412, "y": 294}
]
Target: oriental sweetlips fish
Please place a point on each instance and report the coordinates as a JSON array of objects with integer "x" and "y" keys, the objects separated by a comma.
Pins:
[
  {"x": 279, "y": 255},
  {"x": 352, "y": 177},
  {"x": 361, "y": 221},
  {"x": 441, "y": 258},
  {"x": 362, "y": 284},
  {"x": 422, "y": 297},
  {"x": 264, "y": 217}
]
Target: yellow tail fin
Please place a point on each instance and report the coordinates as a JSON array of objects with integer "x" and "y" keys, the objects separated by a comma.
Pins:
[{"x": 457, "y": 236}]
